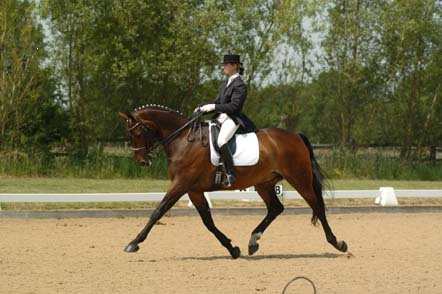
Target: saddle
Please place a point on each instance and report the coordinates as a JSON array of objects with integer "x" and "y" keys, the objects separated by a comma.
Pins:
[
  {"x": 244, "y": 147},
  {"x": 215, "y": 127}
]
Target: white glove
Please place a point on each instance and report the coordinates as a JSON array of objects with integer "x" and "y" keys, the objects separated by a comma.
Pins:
[
  {"x": 207, "y": 108},
  {"x": 198, "y": 109}
]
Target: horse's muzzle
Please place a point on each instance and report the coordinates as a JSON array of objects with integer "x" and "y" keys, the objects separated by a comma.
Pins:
[{"x": 145, "y": 163}]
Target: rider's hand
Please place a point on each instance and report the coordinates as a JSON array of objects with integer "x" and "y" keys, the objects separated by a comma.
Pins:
[
  {"x": 198, "y": 109},
  {"x": 207, "y": 108}
]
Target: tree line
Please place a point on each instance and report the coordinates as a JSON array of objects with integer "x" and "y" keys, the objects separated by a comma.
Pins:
[{"x": 351, "y": 73}]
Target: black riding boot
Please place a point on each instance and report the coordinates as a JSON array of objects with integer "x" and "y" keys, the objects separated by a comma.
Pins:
[{"x": 226, "y": 157}]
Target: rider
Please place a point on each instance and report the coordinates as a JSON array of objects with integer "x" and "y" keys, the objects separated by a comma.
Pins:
[{"x": 228, "y": 111}]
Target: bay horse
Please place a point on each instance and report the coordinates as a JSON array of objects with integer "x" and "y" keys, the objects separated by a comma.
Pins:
[{"x": 282, "y": 155}]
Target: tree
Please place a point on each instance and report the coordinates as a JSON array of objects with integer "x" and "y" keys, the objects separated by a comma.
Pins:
[
  {"x": 412, "y": 39},
  {"x": 22, "y": 80},
  {"x": 351, "y": 47},
  {"x": 271, "y": 38},
  {"x": 117, "y": 55}
]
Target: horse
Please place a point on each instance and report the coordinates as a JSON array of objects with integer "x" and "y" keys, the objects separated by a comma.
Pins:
[{"x": 282, "y": 155}]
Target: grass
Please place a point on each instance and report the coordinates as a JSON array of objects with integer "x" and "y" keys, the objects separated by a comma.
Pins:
[
  {"x": 79, "y": 185},
  {"x": 9, "y": 184},
  {"x": 355, "y": 184}
]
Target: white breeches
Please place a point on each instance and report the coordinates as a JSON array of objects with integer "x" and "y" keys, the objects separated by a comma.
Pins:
[{"x": 228, "y": 129}]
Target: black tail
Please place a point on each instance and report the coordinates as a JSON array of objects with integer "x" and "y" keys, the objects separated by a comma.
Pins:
[{"x": 318, "y": 179}]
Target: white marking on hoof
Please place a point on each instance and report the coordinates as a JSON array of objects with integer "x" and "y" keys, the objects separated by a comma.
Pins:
[{"x": 254, "y": 238}]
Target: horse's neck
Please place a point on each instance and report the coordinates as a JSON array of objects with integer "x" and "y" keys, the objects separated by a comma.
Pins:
[{"x": 166, "y": 122}]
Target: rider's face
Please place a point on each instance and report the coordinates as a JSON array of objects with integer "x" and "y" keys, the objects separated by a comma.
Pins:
[{"x": 230, "y": 68}]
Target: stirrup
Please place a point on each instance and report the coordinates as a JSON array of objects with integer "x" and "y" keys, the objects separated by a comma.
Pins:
[{"x": 229, "y": 180}]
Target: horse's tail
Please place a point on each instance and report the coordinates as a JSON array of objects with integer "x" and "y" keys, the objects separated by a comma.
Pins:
[{"x": 318, "y": 179}]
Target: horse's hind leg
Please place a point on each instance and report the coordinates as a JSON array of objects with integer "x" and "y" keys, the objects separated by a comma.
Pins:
[
  {"x": 203, "y": 208},
  {"x": 274, "y": 208},
  {"x": 304, "y": 185}
]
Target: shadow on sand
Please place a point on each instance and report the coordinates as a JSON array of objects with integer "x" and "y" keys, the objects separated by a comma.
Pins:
[{"x": 270, "y": 256}]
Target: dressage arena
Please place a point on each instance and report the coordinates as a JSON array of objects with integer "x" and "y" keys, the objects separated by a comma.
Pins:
[{"x": 392, "y": 253}]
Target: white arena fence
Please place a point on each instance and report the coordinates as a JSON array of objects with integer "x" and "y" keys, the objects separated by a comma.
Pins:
[{"x": 218, "y": 195}]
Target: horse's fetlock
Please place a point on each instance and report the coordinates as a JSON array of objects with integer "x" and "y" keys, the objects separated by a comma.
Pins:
[
  {"x": 255, "y": 237},
  {"x": 227, "y": 243},
  {"x": 332, "y": 240}
]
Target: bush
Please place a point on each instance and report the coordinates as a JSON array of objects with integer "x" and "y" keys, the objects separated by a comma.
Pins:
[
  {"x": 378, "y": 165},
  {"x": 95, "y": 165},
  {"x": 121, "y": 164}
]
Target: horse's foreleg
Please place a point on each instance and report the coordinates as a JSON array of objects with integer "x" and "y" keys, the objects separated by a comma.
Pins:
[
  {"x": 168, "y": 201},
  {"x": 274, "y": 208},
  {"x": 203, "y": 208}
]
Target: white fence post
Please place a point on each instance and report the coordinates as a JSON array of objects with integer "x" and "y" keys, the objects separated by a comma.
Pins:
[{"x": 387, "y": 197}]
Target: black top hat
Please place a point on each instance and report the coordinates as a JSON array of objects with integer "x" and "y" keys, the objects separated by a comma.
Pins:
[{"x": 232, "y": 58}]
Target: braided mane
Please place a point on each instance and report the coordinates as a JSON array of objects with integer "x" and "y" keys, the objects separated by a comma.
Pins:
[{"x": 158, "y": 107}]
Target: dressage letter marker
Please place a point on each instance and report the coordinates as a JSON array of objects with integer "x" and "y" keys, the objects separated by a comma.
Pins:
[{"x": 279, "y": 192}]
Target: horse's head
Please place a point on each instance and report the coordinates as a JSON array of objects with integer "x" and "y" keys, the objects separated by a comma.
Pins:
[
  {"x": 142, "y": 134},
  {"x": 152, "y": 126}
]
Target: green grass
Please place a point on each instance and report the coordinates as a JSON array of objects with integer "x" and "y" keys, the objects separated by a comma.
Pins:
[
  {"x": 10, "y": 184},
  {"x": 355, "y": 184}
]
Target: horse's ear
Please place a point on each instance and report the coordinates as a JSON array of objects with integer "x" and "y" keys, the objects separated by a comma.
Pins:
[{"x": 124, "y": 116}]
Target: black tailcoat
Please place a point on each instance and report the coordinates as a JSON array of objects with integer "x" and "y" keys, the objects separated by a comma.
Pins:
[{"x": 230, "y": 100}]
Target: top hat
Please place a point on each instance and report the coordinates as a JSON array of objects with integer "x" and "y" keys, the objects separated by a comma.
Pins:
[{"x": 232, "y": 58}]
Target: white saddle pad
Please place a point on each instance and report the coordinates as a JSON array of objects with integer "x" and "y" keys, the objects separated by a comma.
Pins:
[{"x": 247, "y": 150}]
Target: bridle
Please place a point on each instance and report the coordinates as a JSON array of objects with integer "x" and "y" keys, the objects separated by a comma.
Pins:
[
  {"x": 148, "y": 133},
  {"x": 147, "y": 130}
]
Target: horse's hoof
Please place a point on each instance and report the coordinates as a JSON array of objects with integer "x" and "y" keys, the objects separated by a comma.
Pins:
[
  {"x": 253, "y": 249},
  {"x": 131, "y": 248},
  {"x": 236, "y": 252},
  {"x": 342, "y": 246}
]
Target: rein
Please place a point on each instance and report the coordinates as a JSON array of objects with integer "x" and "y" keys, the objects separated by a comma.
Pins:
[{"x": 157, "y": 143}]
